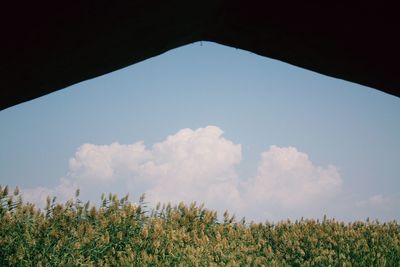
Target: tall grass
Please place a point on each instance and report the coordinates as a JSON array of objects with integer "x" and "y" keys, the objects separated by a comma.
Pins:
[{"x": 120, "y": 233}]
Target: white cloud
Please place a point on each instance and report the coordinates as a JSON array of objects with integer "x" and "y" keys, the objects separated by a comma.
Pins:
[
  {"x": 38, "y": 195},
  {"x": 199, "y": 165},
  {"x": 287, "y": 180},
  {"x": 192, "y": 165}
]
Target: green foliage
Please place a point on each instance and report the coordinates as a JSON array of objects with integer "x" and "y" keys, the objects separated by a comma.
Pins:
[{"x": 120, "y": 233}]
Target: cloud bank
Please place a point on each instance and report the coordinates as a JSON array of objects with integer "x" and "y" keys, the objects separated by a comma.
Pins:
[{"x": 199, "y": 165}]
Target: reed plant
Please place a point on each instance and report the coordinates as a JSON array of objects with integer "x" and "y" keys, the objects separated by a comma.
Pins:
[{"x": 121, "y": 233}]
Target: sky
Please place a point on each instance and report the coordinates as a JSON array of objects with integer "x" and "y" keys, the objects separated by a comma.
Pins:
[{"x": 217, "y": 125}]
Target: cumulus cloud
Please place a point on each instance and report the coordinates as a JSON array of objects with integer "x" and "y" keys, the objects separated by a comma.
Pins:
[
  {"x": 38, "y": 195},
  {"x": 199, "y": 165},
  {"x": 287, "y": 180},
  {"x": 191, "y": 165}
]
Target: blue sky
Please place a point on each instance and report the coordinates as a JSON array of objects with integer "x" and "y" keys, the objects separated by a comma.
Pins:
[{"x": 272, "y": 128}]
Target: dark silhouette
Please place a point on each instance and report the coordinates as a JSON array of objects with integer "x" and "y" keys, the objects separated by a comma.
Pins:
[{"x": 48, "y": 45}]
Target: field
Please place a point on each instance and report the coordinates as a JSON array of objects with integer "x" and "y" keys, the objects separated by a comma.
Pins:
[{"x": 120, "y": 233}]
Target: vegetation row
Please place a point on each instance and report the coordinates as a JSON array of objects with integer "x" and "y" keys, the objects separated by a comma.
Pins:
[{"x": 121, "y": 233}]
